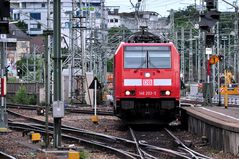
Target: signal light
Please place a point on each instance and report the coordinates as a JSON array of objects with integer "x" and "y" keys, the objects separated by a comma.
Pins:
[
  {"x": 19, "y": 72},
  {"x": 209, "y": 40},
  {"x": 221, "y": 57}
]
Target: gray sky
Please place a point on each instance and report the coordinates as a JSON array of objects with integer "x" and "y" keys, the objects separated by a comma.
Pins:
[{"x": 162, "y": 6}]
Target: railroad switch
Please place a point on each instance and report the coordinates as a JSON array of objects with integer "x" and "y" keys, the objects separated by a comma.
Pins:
[
  {"x": 36, "y": 137},
  {"x": 95, "y": 119},
  {"x": 40, "y": 111},
  {"x": 73, "y": 155}
]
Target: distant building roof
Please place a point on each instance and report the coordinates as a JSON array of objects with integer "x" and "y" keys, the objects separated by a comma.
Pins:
[
  {"x": 141, "y": 14},
  {"x": 15, "y": 32}
]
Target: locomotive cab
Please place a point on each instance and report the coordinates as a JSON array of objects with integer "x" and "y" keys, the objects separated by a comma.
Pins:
[{"x": 146, "y": 81}]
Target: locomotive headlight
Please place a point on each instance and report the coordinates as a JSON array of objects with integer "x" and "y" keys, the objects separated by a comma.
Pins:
[
  {"x": 147, "y": 74},
  {"x": 127, "y": 93},
  {"x": 167, "y": 93}
]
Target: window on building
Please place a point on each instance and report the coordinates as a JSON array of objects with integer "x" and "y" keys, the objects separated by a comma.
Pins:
[
  {"x": 11, "y": 46},
  {"x": 43, "y": 5},
  {"x": 24, "y": 4},
  {"x": 116, "y": 20},
  {"x": 111, "y": 20},
  {"x": 16, "y": 16},
  {"x": 36, "y": 16},
  {"x": 35, "y": 27}
]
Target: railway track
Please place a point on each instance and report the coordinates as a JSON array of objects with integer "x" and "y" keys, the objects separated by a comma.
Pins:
[
  {"x": 6, "y": 156},
  {"x": 146, "y": 150},
  {"x": 78, "y": 135},
  {"x": 135, "y": 148},
  {"x": 70, "y": 110}
]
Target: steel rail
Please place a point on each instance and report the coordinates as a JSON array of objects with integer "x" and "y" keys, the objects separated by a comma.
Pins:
[
  {"x": 6, "y": 156},
  {"x": 88, "y": 132},
  {"x": 184, "y": 146},
  {"x": 96, "y": 143},
  {"x": 35, "y": 127},
  {"x": 147, "y": 154},
  {"x": 192, "y": 154},
  {"x": 71, "y": 110},
  {"x": 176, "y": 153},
  {"x": 136, "y": 143},
  {"x": 74, "y": 128}
]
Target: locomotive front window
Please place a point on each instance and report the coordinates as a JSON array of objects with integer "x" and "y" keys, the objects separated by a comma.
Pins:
[
  {"x": 147, "y": 57},
  {"x": 135, "y": 57}
]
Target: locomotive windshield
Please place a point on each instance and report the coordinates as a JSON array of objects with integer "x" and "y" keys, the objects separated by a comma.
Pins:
[{"x": 147, "y": 57}]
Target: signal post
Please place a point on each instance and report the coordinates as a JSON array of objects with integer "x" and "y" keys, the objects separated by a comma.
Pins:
[
  {"x": 207, "y": 22},
  {"x": 226, "y": 92},
  {"x": 4, "y": 29}
]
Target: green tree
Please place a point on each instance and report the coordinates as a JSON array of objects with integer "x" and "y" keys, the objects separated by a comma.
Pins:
[
  {"x": 22, "y": 97},
  {"x": 22, "y": 26},
  {"x": 110, "y": 65},
  {"x": 22, "y": 64},
  {"x": 187, "y": 17},
  {"x": 118, "y": 34},
  {"x": 115, "y": 36}
]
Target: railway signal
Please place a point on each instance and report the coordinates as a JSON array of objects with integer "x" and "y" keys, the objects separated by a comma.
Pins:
[
  {"x": 209, "y": 19},
  {"x": 4, "y": 13},
  {"x": 209, "y": 40},
  {"x": 215, "y": 59},
  {"x": 4, "y": 8},
  {"x": 4, "y": 29}
]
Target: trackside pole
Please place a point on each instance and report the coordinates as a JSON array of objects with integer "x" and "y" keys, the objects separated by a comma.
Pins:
[
  {"x": 95, "y": 96},
  {"x": 94, "y": 118},
  {"x": 3, "y": 113},
  {"x": 226, "y": 90}
]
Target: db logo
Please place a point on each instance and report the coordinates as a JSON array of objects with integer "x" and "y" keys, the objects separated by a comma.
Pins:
[{"x": 147, "y": 82}]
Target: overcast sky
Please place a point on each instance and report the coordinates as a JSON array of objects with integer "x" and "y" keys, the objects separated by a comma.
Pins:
[{"x": 163, "y": 6}]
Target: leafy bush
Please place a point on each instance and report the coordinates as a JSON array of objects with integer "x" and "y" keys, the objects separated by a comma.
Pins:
[
  {"x": 22, "y": 97},
  {"x": 84, "y": 154}
]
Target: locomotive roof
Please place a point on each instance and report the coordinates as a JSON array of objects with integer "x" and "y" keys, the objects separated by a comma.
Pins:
[{"x": 146, "y": 37}]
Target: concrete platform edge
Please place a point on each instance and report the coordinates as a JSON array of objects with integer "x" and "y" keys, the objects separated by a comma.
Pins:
[{"x": 221, "y": 135}]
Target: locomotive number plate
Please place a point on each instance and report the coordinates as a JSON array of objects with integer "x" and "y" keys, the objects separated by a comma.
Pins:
[
  {"x": 148, "y": 93},
  {"x": 147, "y": 82}
]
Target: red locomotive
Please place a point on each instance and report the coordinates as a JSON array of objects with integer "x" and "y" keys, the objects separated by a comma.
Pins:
[{"x": 146, "y": 79}]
